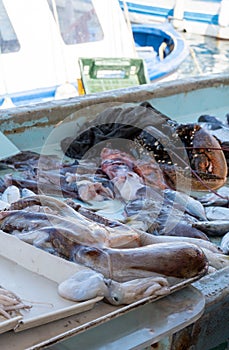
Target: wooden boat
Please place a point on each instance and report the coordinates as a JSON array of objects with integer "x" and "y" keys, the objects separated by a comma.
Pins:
[
  {"x": 200, "y": 17},
  {"x": 41, "y": 62},
  {"x": 40, "y": 128}
]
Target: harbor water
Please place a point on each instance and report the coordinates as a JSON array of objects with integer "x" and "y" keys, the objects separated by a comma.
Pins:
[{"x": 207, "y": 56}]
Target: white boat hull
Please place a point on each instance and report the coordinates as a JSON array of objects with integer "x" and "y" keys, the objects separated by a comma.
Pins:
[{"x": 202, "y": 17}]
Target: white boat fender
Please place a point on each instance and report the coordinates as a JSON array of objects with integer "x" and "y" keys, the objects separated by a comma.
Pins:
[{"x": 66, "y": 90}]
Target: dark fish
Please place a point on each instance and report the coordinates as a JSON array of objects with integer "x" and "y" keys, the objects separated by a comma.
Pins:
[
  {"x": 186, "y": 203},
  {"x": 210, "y": 122},
  {"x": 213, "y": 228},
  {"x": 218, "y": 198},
  {"x": 182, "y": 229}
]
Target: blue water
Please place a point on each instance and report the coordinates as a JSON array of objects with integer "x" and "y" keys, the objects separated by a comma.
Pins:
[{"x": 207, "y": 55}]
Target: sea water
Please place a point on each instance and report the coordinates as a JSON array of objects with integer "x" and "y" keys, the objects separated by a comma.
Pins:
[{"x": 208, "y": 55}]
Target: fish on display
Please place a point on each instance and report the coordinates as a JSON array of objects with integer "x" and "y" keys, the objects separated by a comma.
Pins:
[
  {"x": 144, "y": 212},
  {"x": 182, "y": 229},
  {"x": 210, "y": 122},
  {"x": 128, "y": 185},
  {"x": 218, "y": 198},
  {"x": 27, "y": 160},
  {"x": 224, "y": 245},
  {"x": 26, "y": 192},
  {"x": 218, "y": 260},
  {"x": 130, "y": 175},
  {"x": 89, "y": 191},
  {"x": 186, "y": 203},
  {"x": 165, "y": 218},
  {"x": 213, "y": 228},
  {"x": 90, "y": 187},
  {"x": 217, "y": 213}
]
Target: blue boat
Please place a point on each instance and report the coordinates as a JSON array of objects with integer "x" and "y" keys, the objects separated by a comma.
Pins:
[
  {"x": 162, "y": 48},
  {"x": 204, "y": 17}
]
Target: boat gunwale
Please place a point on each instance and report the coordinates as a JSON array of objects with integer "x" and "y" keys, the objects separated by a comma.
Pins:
[{"x": 125, "y": 95}]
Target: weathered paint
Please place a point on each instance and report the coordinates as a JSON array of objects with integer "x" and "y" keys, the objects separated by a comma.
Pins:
[{"x": 186, "y": 98}]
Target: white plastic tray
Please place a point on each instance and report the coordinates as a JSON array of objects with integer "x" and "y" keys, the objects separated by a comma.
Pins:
[{"x": 34, "y": 276}]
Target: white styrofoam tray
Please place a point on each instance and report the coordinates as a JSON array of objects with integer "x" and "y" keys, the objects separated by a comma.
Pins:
[{"x": 34, "y": 275}]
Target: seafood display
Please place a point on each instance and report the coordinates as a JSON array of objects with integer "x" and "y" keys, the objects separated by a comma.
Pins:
[
  {"x": 10, "y": 302},
  {"x": 219, "y": 198},
  {"x": 181, "y": 150},
  {"x": 50, "y": 224},
  {"x": 88, "y": 284},
  {"x": 148, "y": 164},
  {"x": 214, "y": 227},
  {"x": 213, "y": 213}
]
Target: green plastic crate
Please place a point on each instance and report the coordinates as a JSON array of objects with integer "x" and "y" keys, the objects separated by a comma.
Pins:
[{"x": 102, "y": 74}]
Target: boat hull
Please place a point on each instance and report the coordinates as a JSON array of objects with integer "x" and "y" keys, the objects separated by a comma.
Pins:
[
  {"x": 182, "y": 100},
  {"x": 193, "y": 17}
]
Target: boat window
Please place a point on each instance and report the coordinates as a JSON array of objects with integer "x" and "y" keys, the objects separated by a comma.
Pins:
[
  {"x": 8, "y": 38},
  {"x": 77, "y": 20}
]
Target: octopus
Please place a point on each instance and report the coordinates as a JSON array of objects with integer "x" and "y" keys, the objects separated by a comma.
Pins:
[
  {"x": 83, "y": 285},
  {"x": 137, "y": 289},
  {"x": 10, "y": 302},
  {"x": 88, "y": 284}
]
